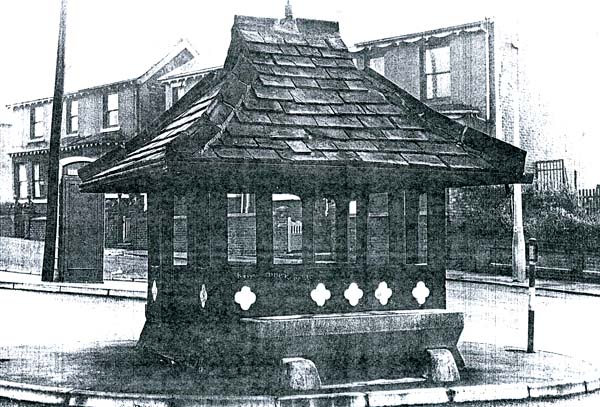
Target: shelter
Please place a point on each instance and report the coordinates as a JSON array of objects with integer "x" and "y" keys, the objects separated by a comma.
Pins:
[{"x": 291, "y": 114}]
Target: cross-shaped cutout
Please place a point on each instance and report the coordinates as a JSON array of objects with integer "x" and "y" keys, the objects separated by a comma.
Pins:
[
  {"x": 245, "y": 298},
  {"x": 320, "y": 295},
  {"x": 383, "y": 293},
  {"x": 203, "y": 296},
  {"x": 154, "y": 290},
  {"x": 353, "y": 294},
  {"x": 420, "y": 292}
]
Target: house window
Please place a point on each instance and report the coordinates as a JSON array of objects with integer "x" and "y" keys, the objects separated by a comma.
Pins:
[
  {"x": 240, "y": 204},
  {"x": 22, "y": 181},
  {"x": 111, "y": 110},
  {"x": 437, "y": 72},
  {"x": 241, "y": 229},
  {"x": 378, "y": 65},
  {"x": 37, "y": 181},
  {"x": 37, "y": 122},
  {"x": 72, "y": 116},
  {"x": 177, "y": 92}
]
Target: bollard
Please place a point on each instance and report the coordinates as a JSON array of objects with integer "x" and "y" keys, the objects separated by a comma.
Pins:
[{"x": 532, "y": 257}]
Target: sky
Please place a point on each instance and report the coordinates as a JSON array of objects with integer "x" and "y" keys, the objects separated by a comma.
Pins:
[{"x": 117, "y": 39}]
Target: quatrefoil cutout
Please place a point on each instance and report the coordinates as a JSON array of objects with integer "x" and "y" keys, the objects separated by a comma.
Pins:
[
  {"x": 420, "y": 292},
  {"x": 245, "y": 298},
  {"x": 353, "y": 294},
  {"x": 383, "y": 293},
  {"x": 320, "y": 294}
]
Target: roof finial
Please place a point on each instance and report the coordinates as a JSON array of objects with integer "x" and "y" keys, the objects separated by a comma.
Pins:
[{"x": 288, "y": 11}]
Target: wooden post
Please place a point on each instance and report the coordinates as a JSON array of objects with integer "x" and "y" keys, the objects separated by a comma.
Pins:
[
  {"x": 218, "y": 230},
  {"x": 396, "y": 227},
  {"x": 165, "y": 289},
  {"x": 308, "y": 210},
  {"x": 198, "y": 229},
  {"x": 412, "y": 226},
  {"x": 362, "y": 233},
  {"x": 54, "y": 152},
  {"x": 436, "y": 245},
  {"x": 342, "y": 203},
  {"x": 154, "y": 272},
  {"x": 264, "y": 230}
]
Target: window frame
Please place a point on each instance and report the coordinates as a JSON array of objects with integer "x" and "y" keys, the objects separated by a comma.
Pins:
[
  {"x": 425, "y": 75},
  {"x": 106, "y": 110},
  {"x": 22, "y": 181},
  {"x": 70, "y": 116},
  {"x": 37, "y": 181},
  {"x": 36, "y": 133}
]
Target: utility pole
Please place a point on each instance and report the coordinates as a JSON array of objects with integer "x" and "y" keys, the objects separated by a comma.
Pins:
[
  {"x": 518, "y": 241},
  {"x": 53, "y": 154}
]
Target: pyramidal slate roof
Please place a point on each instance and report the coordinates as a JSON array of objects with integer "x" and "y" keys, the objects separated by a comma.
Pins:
[{"x": 290, "y": 93}]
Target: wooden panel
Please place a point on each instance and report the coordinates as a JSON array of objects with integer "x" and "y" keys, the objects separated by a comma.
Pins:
[
  {"x": 218, "y": 230},
  {"x": 436, "y": 246},
  {"x": 411, "y": 225},
  {"x": 308, "y": 209},
  {"x": 154, "y": 277},
  {"x": 342, "y": 202},
  {"x": 396, "y": 227},
  {"x": 362, "y": 216},
  {"x": 264, "y": 230}
]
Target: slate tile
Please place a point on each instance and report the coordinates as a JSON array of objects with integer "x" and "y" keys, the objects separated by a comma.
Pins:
[
  {"x": 295, "y": 40},
  {"x": 357, "y": 85},
  {"x": 308, "y": 51},
  {"x": 252, "y": 117},
  {"x": 322, "y": 145},
  {"x": 464, "y": 162},
  {"x": 236, "y": 128},
  {"x": 289, "y": 50},
  {"x": 423, "y": 159},
  {"x": 337, "y": 43},
  {"x": 338, "y": 121},
  {"x": 443, "y": 148},
  {"x": 298, "y": 147},
  {"x": 397, "y": 145},
  {"x": 401, "y": 134},
  {"x": 358, "y": 134},
  {"x": 288, "y": 133},
  {"x": 371, "y": 96},
  {"x": 383, "y": 109},
  {"x": 384, "y": 158},
  {"x": 341, "y": 155},
  {"x": 264, "y": 48},
  {"x": 219, "y": 113},
  {"x": 280, "y": 81},
  {"x": 208, "y": 153},
  {"x": 325, "y": 62},
  {"x": 272, "y": 38},
  {"x": 231, "y": 152},
  {"x": 233, "y": 91},
  {"x": 284, "y": 60},
  {"x": 299, "y": 71},
  {"x": 296, "y": 108},
  {"x": 345, "y": 63},
  {"x": 317, "y": 42},
  {"x": 263, "y": 154},
  {"x": 251, "y": 36},
  {"x": 334, "y": 53},
  {"x": 305, "y": 83},
  {"x": 430, "y": 136},
  {"x": 356, "y": 145},
  {"x": 264, "y": 69},
  {"x": 344, "y": 73},
  {"x": 380, "y": 122},
  {"x": 270, "y": 92},
  {"x": 263, "y": 59},
  {"x": 229, "y": 140},
  {"x": 336, "y": 134},
  {"x": 271, "y": 144},
  {"x": 252, "y": 103},
  {"x": 347, "y": 109},
  {"x": 292, "y": 120},
  {"x": 316, "y": 96},
  {"x": 332, "y": 84},
  {"x": 314, "y": 156}
]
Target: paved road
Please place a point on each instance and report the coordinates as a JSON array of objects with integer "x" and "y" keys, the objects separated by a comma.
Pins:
[{"x": 565, "y": 323}]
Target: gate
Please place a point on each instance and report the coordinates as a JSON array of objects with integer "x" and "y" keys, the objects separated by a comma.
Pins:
[{"x": 81, "y": 242}]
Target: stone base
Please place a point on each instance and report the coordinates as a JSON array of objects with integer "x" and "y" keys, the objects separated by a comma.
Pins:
[{"x": 344, "y": 347}]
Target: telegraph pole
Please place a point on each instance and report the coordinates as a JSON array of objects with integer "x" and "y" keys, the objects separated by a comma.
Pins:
[{"x": 53, "y": 154}]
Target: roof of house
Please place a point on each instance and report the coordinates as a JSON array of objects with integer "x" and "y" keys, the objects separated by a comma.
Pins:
[
  {"x": 189, "y": 69},
  {"x": 132, "y": 71},
  {"x": 290, "y": 94}
]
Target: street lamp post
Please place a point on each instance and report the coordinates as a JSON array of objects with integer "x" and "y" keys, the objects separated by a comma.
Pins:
[{"x": 532, "y": 258}]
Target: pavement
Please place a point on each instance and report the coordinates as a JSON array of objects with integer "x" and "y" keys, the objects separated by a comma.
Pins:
[{"x": 114, "y": 374}]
